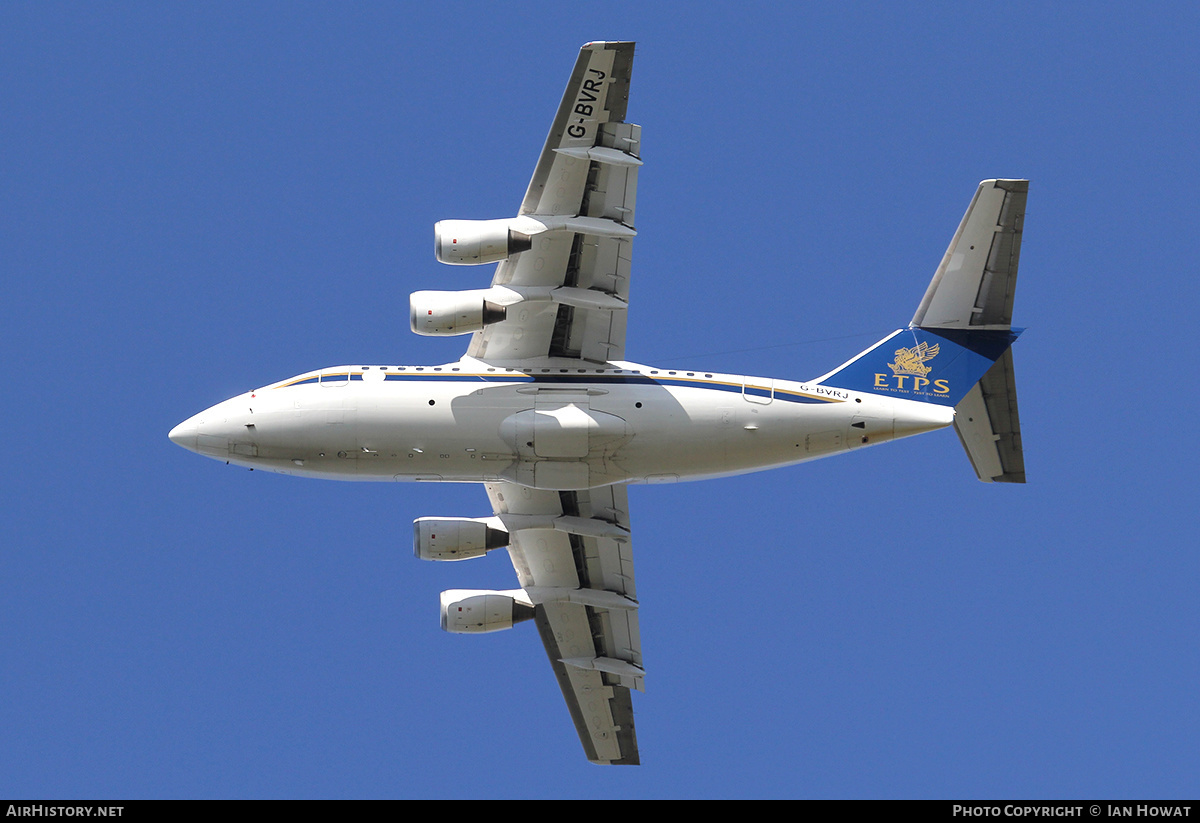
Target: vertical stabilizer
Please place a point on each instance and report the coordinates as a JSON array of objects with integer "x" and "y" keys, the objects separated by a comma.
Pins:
[{"x": 923, "y": 365}]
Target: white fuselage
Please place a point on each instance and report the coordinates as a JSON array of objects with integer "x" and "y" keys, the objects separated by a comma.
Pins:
[{"x": 551, "y": 427}]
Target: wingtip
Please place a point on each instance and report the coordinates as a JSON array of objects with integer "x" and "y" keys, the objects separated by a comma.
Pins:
[
  {"x": 603, "y": 44},
  {"x": 1007, "y": 183}
]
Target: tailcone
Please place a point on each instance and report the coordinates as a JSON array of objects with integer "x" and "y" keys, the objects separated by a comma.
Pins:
[{"x": 917, "y": 418}]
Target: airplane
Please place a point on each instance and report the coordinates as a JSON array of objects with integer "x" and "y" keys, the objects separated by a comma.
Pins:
[{"x": 545, "y": 411}]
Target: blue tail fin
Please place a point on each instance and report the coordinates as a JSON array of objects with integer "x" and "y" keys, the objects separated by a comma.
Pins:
[{"x": 921, "y": 364}]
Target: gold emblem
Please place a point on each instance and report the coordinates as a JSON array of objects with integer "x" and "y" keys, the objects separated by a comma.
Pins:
[{"x": 912, "y": 361}]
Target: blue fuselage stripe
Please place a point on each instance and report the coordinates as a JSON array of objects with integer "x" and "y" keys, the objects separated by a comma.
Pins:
[{"x": 577, "y": 379}]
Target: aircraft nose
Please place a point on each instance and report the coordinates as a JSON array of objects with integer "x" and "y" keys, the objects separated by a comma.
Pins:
[{"x": 185, "y": 434}]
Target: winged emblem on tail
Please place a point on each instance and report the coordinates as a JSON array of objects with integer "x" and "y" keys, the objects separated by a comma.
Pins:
[{"x": 912, "y": 361}]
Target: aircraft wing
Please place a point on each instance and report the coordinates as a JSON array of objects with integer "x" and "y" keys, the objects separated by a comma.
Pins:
[
  {"x": 572, "y": 555},
  {"x": 584, "y": 190}
]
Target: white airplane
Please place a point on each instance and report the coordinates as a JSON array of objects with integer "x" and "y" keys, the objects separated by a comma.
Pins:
[{"x": 545, "y": 411}]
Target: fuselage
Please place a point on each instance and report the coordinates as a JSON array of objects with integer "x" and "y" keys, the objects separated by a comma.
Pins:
[{"x": 552, "y": 426}]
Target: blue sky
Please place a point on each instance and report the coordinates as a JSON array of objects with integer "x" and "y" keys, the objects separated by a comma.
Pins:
[{"x": 200, "y": 199}]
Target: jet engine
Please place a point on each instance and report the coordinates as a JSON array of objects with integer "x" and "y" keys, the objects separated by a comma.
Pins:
[
  {"x": 474, "y": 611},
  {"x": 455, "y": 538},
  {"x": 473, "y": 242},
  {"x": 447, "y": 313}
]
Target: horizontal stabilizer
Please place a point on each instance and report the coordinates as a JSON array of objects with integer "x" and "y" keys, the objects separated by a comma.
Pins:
[
  {"x": 989, "y": 427},
  {"x": 974, "y": 285}
]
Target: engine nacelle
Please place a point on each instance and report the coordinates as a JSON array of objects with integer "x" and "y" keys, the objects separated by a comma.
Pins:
[
  {"x": 455, "y": 538},
  {"x": 472, "y": 242},
  {"x": 447, "y": 313},
  {"x": 474, "y": 611}
]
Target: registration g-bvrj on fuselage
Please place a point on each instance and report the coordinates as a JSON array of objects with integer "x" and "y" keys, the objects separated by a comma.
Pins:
[{"x": 547, "y": 413}]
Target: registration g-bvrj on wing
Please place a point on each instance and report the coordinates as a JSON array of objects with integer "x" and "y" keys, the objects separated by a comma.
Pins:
[{"x": 547, "y": 413}]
